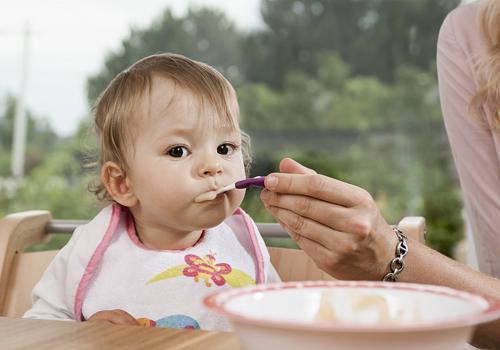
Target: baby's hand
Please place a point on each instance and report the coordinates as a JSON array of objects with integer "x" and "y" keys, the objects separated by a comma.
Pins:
[{"x": 114, "y": 317}]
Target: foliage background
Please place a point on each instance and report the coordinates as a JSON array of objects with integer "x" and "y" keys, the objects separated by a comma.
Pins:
[{"x": 347, "y": 87}]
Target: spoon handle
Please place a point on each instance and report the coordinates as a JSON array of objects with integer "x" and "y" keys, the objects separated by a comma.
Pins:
[{"x": 254, "y": 181}]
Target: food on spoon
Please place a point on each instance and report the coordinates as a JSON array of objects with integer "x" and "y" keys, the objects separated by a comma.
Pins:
[{"x": 208, "y": 196}]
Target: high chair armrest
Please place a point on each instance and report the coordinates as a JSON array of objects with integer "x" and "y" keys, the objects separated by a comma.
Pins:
[
  {"x": 414, "y": 227},
  {"x": 17, "y": 232}
]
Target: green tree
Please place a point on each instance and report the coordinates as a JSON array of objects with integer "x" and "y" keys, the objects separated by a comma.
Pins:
[
  {"x": 59, "y": 182},
  {"x": 202, "y": 34},
  {"x": 260, "y": 106},
  {"x": 375, "y": 37},
  {"x": 41, "y": 138}
]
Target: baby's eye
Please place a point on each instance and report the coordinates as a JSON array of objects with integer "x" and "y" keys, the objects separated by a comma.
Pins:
[
  {"x": 226, "y": 149},
  {"x": 178, "y": 152}
]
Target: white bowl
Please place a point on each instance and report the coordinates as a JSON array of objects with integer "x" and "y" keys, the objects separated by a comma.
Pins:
[{"x": 352, "y": 315}]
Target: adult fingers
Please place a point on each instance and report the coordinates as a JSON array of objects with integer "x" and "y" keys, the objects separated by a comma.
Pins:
[
  {"x": 326, "y": 214},
  {"x": 315, "y": 250},
  {"x": 288, "y": 165},
  {"x": 317, "y": 186},
  {"x": 339, "y": 254},
  {"x": 300, "y": 227},
  {"x": 323, "y": 257}
]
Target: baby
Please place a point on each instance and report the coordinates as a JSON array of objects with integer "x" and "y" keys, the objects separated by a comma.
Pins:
[{"x": 168, "y": 128}]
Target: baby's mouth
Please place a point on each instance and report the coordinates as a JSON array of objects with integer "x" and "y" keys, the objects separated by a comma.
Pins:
[{"x": 207, "y": 196}]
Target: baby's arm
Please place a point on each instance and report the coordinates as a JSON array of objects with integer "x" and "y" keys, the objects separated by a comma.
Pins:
[
  {"x": 271, "y": 274},
  {"x": 50, "y": 295},
  {"x": 114, "y": 317}
]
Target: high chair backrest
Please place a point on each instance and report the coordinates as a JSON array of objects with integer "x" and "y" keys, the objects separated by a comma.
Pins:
[{"x": 20, "y": 271}]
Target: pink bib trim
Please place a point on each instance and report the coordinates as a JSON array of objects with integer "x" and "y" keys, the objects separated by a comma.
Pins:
[
  {"x": 95, "y": 259},
  {"x": 259, "y": 273}
]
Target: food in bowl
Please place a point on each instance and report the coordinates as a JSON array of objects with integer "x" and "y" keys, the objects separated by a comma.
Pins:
[
  {"x": 362, "y": 307},
  {"x": 352, "y": 315}
]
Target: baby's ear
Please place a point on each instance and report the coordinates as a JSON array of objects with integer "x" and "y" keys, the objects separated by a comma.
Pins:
[{"x": 117, "y": 184}]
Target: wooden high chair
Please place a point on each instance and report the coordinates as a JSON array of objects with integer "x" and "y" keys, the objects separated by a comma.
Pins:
[{"x": 20, "y": 270}]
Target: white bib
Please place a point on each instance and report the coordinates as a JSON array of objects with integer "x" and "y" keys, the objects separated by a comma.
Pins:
[{"x": 166, "y": 288}]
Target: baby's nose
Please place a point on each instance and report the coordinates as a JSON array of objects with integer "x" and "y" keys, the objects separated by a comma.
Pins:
[{"x": 211, "y": 168}]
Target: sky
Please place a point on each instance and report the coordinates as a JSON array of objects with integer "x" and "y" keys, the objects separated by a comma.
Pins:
[{"x": 68, "y": 42}]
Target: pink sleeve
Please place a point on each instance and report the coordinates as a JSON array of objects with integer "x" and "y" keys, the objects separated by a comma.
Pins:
[{"x": 475, "y": 143}]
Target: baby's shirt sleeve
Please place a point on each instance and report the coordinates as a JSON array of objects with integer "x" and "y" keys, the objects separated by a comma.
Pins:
[
  {"x": 271, "y": 274},
  {"x": 51, "y": 298}
]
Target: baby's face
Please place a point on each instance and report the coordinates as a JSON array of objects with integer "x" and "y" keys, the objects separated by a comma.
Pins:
[{"x": 179, "y": 156}]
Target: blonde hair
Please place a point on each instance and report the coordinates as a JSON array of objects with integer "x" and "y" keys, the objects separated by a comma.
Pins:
[
  {"x": 115, "y": 111},
  {"x": 489, "y": 92}
]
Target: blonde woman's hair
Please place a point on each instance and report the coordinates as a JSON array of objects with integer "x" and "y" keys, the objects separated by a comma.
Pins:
[
  {"x": 489, "y": 93},
  {"x": 115, "y": 113}
]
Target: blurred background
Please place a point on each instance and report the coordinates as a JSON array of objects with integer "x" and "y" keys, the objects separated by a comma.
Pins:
[{"x": 346, "y": 87}]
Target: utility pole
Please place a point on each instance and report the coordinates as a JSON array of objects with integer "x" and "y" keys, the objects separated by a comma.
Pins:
[{"x": 20, "y": 121}]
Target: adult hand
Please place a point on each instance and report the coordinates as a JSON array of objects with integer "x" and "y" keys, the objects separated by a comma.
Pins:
[
  {"x": 337, "y": 224},
  {"x": 116, "y": 316}
]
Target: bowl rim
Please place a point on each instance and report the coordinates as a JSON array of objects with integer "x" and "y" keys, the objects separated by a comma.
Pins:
[{"x": 217, "y": 302}]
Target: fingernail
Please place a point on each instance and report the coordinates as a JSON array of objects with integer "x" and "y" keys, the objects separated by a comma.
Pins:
[{"x": 271, "y": 181}]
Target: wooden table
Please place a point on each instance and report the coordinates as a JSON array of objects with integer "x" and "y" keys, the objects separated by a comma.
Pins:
[{"x": 18, "y": 333}]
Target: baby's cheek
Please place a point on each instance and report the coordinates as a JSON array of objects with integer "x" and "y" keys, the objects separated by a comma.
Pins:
[{"x": 236, "y": 197}]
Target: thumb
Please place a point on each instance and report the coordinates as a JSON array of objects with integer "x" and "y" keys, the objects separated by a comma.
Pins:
[{"x": 288, "y": 165}]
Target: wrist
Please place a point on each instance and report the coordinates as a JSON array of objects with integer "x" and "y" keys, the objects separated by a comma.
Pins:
[
  {"x": 397, "y": 263},
  {"x": 385, "y": 248}
]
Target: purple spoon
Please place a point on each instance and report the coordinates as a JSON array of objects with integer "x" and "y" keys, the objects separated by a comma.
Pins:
[{"x": 253, "y": 181}]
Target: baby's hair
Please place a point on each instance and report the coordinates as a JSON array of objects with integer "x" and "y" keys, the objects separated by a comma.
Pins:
[{"x": 115, "y": 119}]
